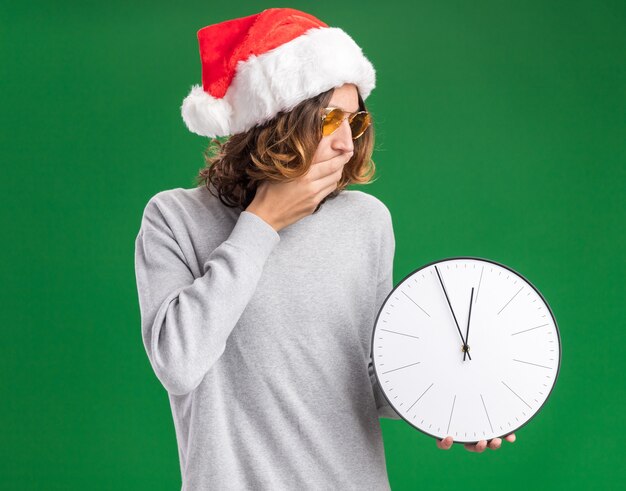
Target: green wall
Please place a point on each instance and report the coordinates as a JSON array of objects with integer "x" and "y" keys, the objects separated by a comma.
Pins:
[{"x": 500, "y": 134}]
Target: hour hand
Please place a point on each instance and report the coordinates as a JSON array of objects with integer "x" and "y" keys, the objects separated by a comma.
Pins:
[
  {"x": 452, "y": 310},
  {"x": 469, "y": 316}
]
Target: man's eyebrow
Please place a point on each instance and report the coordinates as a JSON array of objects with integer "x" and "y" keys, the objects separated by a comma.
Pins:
[{"x": 345, "y": 110}]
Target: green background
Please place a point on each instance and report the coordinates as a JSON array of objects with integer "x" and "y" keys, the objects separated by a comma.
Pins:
[{"x": 500, "y": 134}]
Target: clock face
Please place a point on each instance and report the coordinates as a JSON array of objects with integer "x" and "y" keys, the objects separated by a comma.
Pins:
[{"x": 487, "y": 390}]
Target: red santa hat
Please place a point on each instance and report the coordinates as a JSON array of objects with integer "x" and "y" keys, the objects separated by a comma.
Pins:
[{"x": 257, "y": 66}]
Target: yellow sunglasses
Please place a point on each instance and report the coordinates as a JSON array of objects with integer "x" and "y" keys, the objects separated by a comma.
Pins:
[{"x": 332, "y": 118}]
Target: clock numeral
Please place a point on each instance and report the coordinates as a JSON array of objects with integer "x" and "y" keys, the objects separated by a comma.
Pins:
[
  {"x": 401, "y": 333},
  {"x": 416, "y": 304},
  {"x": 516, "y": 395},
  {"x": 421, "y": 396},
  {"x": 529, "y": 363},
  {"x": 510, "y": 300},
  {"x": 479, "y": 281},
  {"x": 488, "y": 418},
  {"x": 526, "y": 330},
  {"x": 452, "y": 411},
  {"x": 399, "y": 368}
]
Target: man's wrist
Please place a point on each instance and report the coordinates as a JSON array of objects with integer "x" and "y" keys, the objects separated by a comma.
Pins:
[{"x": 263, "y": 216}]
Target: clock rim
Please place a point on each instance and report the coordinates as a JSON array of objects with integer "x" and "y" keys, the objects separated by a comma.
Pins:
[{"x": 451, "y": 258}]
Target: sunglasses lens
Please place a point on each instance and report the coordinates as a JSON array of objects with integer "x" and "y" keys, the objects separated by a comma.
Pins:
[
  {"x": 359, "y": 124},
  {"x": 332, "y": 121},
  {"x": 335, "y": 117}
]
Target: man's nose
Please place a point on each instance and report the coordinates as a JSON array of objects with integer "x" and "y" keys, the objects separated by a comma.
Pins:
[{"x": 343, "y": 137}]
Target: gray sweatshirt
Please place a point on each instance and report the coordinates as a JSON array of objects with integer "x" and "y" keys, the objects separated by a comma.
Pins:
[{"x": 262, "y": 339}]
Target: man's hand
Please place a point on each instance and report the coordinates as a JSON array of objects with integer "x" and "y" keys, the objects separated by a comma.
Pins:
[{"x": 479, "y": 447}]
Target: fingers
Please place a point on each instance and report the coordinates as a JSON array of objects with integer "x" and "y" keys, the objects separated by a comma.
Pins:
[
  {"x": 445, "y": 444},
  {"x": 479, "y": 447},
  {"x": 329, "y": 167},
  {"x": 495, "y": 444},
  {"x": 476, "y": 447},
  {"x": 328, "y": 181}
]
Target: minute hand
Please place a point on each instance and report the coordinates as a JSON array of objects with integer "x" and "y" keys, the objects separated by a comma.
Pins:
[{"x": 451, "y": 310}]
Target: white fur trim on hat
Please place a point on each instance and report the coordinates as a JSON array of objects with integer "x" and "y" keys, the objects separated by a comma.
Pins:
[
  {"x": 204, "y": 114},
  {"x": 278, "y": 80}
]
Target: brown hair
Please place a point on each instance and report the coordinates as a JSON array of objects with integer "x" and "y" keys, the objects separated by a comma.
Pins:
[{"x": 280, "y": 149}]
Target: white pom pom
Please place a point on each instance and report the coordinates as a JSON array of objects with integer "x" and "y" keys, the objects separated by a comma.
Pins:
[{"x": 205, "y": 115}]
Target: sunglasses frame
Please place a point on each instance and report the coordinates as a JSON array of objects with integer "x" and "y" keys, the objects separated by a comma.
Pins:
[{"x": 345, "y": 114}]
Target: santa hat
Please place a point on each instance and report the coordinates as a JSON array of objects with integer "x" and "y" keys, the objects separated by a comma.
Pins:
[{"x": 257, "y": 66}]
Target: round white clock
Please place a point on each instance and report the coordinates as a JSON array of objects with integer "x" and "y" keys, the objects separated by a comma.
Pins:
[{"x": 466, "y": 347}]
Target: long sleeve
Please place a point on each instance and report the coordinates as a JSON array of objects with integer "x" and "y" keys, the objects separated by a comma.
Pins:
[
  {"x": 384, "y": 286},
  {"x": 185, "y": 321}
]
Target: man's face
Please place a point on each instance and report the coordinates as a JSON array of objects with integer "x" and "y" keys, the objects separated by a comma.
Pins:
[{"x": 340, "y": 141}]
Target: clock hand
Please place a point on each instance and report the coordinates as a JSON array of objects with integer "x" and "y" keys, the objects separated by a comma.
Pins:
[
  {"x": 451, "y": 310},
  {"x": 468, "y": 324}
]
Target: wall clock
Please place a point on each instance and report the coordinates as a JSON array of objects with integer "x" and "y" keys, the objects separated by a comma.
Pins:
[{"x": 466, "y": 347}]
